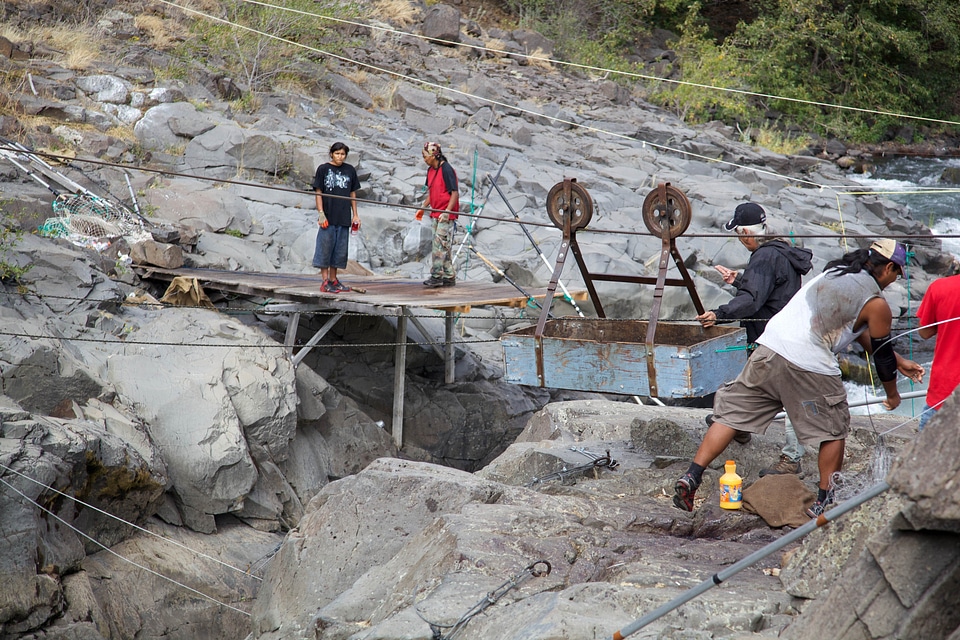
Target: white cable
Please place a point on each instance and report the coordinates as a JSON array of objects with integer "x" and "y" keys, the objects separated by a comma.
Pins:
[
  {"x": 127, "y": 560},
  {"x": 602, "y": 70},
  {"x": 130, "y": 524},
  {"x": 512, "y": 107}
]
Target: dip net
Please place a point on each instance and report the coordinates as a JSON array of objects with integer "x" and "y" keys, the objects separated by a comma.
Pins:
[{"x": 89, "y": 216}]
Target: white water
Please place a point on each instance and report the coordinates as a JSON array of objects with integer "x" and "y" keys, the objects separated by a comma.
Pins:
[{"x": 915, "y": 183}]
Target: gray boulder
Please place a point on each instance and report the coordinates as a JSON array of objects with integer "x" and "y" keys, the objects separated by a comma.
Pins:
[
  {"x": 170, "y": 125},
  {"x": 441, "y": 22}
]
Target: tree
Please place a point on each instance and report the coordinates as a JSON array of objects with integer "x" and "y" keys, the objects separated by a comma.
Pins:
[{"x": 900, "y": 56}]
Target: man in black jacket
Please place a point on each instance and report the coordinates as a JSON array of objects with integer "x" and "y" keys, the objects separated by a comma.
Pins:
[{"x": 771, "y": 278}]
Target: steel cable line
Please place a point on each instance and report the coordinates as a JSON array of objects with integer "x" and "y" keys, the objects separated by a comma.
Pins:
[
  {"x": 121, "y": 557},
  {"x": 126, "y": 522},
  {"x": 498, "y": 219},
  {"x": 603, "y": 70},
  {"x": 859, "y": 191},
  {"x": 239, "y": 345},
  {"x": 511, "y": 107}
]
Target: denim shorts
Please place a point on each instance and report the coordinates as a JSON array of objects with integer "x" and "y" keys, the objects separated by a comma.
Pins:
[{"x": 333, "y": 245}]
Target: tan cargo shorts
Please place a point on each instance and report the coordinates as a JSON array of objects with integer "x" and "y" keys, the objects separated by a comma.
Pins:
[{"x": 816, "y": 403}]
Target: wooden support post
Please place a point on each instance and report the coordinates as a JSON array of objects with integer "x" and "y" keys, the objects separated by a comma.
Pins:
[
  {"x": 312, "y": 342},
  {"x": 449, "y": 361},
  {"x": 290, "y": 339},
  {"x": 399, "y": 377}
]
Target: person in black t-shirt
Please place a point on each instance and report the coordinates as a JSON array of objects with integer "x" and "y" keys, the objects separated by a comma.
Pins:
[{"x": 337, "y": 214}]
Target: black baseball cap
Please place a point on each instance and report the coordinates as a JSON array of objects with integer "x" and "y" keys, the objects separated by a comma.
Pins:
[{"x": 746, "y": 215}]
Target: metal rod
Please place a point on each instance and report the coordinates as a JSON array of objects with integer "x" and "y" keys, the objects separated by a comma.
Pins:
[
  {"x": 500, "y": 272},
  {"x": 751, "y": 559},
  {"x": 399, "y": 377},
  {"x": 863, "y": 403},
  {"x": 480, "y": 209},
  {"x": 133, "y": 196}
]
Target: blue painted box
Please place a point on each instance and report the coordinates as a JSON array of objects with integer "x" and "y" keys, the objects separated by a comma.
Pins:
[{"x": 609, "y": 356}]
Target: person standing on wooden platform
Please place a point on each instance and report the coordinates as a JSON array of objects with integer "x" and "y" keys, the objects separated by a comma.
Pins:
[
  {"x": 443, "y": 196},
  {"x": 337, "y": 214}
]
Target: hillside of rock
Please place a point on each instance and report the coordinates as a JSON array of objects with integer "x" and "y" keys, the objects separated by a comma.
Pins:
[{"x": 169, "y": 472}]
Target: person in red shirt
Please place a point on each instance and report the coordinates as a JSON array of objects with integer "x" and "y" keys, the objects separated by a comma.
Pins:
[
  {"x": 938, "y": 311},
  {"x": 443, "y": 196}
]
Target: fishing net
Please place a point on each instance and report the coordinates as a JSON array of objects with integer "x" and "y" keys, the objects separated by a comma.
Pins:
[
  {"x": 92, "y": 217},
  {"x": 846, "y": 485}
]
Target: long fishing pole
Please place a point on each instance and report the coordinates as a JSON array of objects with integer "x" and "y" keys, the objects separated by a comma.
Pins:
[
  {"x": 566, "y": 293},
  {"x": 752, "y": 559},
  {"x": 926, "y": 326},
  {"x": 479, "y": 209},
  {"x": 502, "y": 274}
]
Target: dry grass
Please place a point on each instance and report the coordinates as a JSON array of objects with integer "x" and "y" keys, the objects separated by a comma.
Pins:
[
  {"x": 540, "y": 59},
  {"x": 122, "y": 133},
  {"x": 401, "y": 13},
  {"x": 80, "y": 58},
  {"x": 383, "y": 97},
  {"x": 779, "y": 143},
  {"x": 496, "y": 46},
  {"x": 77, "y": 47},
  {"x": 294, "y": 84},
  {"x": 162, "y": 34},
  {"x": 357, "y": 76}
]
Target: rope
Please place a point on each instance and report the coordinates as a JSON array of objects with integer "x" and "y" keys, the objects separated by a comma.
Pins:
[
  {"x": 126, "y": 522},
  {"x": 505, "y": 105},
  {"x": 600, "y": 70},
  {"x": 114, "y": 553}
]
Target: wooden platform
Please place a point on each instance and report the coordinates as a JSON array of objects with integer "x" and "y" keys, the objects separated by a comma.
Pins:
[
  {"x": 296, "y": 293},
  {"x": 384, "y": 292}
]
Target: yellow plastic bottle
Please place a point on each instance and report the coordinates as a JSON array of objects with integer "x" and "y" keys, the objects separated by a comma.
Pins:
[{"x": 730, "y": 485}]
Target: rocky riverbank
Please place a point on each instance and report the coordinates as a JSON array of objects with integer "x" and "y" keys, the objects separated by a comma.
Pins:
[{"x": 194, "y": 425}]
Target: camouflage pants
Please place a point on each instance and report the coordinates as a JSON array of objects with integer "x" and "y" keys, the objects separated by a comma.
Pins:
[{"x": 441, "y": 265}]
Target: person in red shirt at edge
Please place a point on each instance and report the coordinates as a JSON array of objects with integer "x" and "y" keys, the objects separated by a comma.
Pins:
[
  {"x": 444, "y": 198},
  {"x": 939, "y": 310}
]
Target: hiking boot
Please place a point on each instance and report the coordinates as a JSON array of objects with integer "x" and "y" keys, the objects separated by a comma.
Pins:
[
  {"x": 340, "y": 287},
  {"x": 685, "y": 490},
  {"x": 817, "y": 508},
  {"x": 433, "y": 283},
  {"x": 449, "y": 282},
  {"x": 328, "y": 287},
  {"x": 784, "y": 466}
]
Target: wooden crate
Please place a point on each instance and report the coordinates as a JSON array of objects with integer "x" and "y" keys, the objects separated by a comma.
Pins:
[{"x": 609, "y": 356}]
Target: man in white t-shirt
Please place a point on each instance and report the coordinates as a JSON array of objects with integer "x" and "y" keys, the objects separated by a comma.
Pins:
[{"x": 797, "y": 369}]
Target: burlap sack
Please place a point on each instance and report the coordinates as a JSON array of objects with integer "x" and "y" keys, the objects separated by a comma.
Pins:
[
  {"x": 186, "y": 292},
  {"x": 779, "y": 499}
]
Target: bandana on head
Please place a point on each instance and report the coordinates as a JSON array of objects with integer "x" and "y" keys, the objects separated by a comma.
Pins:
[{"x": 432, "y": 149}]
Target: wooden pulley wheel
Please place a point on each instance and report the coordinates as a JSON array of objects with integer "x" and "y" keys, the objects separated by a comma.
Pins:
[
  {"x": 577, "y": 203},
  {"x": 666, "y": 207}
]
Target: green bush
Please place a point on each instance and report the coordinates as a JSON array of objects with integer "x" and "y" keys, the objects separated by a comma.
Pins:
[
  {"x": 10, "y": 236},
  {"x": 896, "y": 56},
  {"x": 264, "y": 48}
]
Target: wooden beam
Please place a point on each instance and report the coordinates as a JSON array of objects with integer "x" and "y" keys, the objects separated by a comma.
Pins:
[
  {"x": 399, "y": 378},
  {"x": 449, "y": 361}
]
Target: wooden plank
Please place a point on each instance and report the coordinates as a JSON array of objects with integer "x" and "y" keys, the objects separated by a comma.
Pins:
[{"x": 379, "y": 290}]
